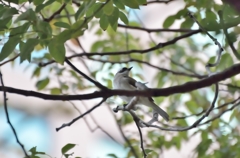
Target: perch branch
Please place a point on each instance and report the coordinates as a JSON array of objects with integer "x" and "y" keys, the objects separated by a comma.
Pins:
[{"x": 187, "y": 87}]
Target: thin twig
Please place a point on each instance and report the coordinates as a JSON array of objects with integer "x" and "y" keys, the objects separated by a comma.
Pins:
[
  {"x": 230, "y": 85},
  {"x": 219, "y": 52},
  {"x": 8, "y": 118},
  {"x": 156, "y": 67},
  {"x": 235, "y": 52},
  {"x": 86, "y": 122},
  {"x": 140, "y": 133},
  {"x": 143, "y": 51},
  {"x": 7, "y": 61},
  {"x": 220, "y": 114},
  {"x": 200, "y": 113},
  {"x": 153, "y": 30},
  {"x": 159, "y": 1},
  {"x": 98, "y": 126},
  {"x": 55, "y": 13},
  {"x": 99, "y": 85},
  {"x": 77, "y": 118},
  {"x": 123, "y": 135}
]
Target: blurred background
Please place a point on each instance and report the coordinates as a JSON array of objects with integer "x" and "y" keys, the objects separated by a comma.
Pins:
[{"x": 103, "y": 133}]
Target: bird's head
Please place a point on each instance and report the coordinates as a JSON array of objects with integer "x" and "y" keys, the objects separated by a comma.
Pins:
[{"x": 124, "y": 71}]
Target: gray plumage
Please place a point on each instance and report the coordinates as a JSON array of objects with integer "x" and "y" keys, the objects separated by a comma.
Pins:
[{"x": 123, "y": 81}]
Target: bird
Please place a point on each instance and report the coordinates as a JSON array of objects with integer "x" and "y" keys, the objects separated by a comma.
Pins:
[{"x": 123, "y": 81}]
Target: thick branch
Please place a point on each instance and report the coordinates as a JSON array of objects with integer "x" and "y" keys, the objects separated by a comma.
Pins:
[{"x": 187, "y": 87}]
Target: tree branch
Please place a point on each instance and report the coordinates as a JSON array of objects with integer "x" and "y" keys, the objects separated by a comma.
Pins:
[
  {"x": 136, "y": 120},
  {"x": 7, "y": 116},
  {"x": 200, "y": 113},
  {"x": 235, "y": 52},
  {"x": 55, "y": 13},
  {"x": 99, "y": 85},
  {"x": 158, "y": 46},
  {"x": 7, "y": 61},
  {"x": 154, "y": 30},
  {"x": 98, "y": 126},
  {"x": 184, "y": 88},
  {"x": 156, "y": 67},
  {"x": 159, "y": 1},
  {"x": 123, "y": 135},
  {"x": 77, "y": 118}
]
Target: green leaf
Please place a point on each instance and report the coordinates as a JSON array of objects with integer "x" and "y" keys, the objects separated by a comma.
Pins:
[
  {"x": 84, "y": 8},
  {"x": 62, "y": 24},
  {"x": 112, "y": 155},
  {"x": 98, "y": 13},
  {"x": 148, "y": 151},
  {"x": 113, "y": 19},
  {"x": 28, "y": 15},
  {"x": 78, "y": 28},
  {"x": 43, "y": 29},
  {"x": 142, "y": 2},
  {"x": 119, "y": 4},
  {"x": 41, "y": 84},
  {"x": 9, "y": 47},
  {"x": 177, "y": 142},
  {"x": 233, "y": 37},
  {"x": 131, "y": 3},
  {"x": 4, "y": 22},
  {"x": 34, "y": 151},
  {"x": 57, "y": 50},
  {"x": 123, "y": 17},
  {"x": 226, "y": 61},
  {"x": 36, "y": 72},
  {"x": 192, "y": 106},
  {"x": 126, "y": 119},
  {"x": 13, "y": 1},
  {"x": 80, "y": 12},
  {"x": 104, "y": 22},
  {"x": 56, "y": 46},
  {"x": 8, "y": 12},
  {"x": 67, "y": 147},
  {"x": 41, "y": 6},
  {"x": 56, "y": 91},
  {"x": 108, "y": 8},
  {"x": 20, "y": 30},
  {"x": 188, "y": 23},
  {"x": 38, "y": 2},
  {"x": 22, "y": 1},
  {"x": 169, "y": 21},
  {"x": 27, "y": 48}
]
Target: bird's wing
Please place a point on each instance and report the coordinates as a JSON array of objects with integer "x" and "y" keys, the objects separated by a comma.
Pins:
[
  {"x": 142, "y": 86},
  {"x": 132, "y": 82}
]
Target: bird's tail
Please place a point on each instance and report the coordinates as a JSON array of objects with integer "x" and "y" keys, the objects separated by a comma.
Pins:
[{"x": 160, "y": 111}]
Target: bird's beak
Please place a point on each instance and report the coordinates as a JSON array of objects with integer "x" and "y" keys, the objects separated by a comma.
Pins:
[{"x": 130, "y": 68}]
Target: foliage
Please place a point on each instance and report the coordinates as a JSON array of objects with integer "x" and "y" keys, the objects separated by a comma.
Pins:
[{"x": 53, "y": 26}]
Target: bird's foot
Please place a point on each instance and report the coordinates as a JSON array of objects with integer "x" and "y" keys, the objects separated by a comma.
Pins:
[
  {"x": 125, "y": 106},
  {"x": 141, "y": 124}
]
